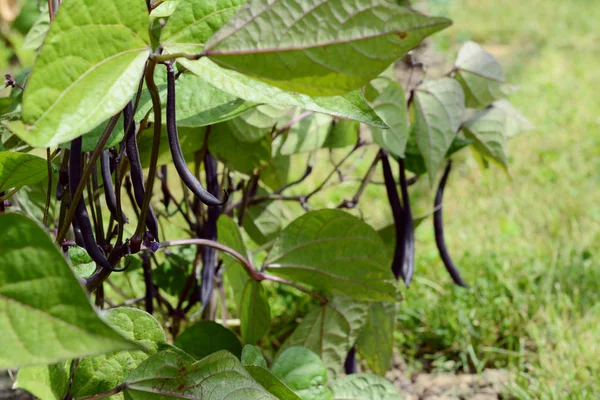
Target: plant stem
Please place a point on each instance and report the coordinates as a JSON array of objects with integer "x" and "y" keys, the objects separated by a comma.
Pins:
[
  {"x": 9, "y": 194},
  {"x": 111, "y": 392},
  {"x": 254, "y": 274}
]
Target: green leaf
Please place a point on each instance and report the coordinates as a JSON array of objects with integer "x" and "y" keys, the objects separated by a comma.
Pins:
[
  {"x": 195, "y": 21},
  {"x": 207, "y": 337},
  {"x": 45, "y": 315},
  {"x": 277, "y": 173},
  {"x": 165, "y": 9},
  {"x": 101, "y": 373},
  {"x": 230, "y": 235},
  {"x": 265, "y": 220},
  {"x": 439, "y": 106},
  {"x": 49, "y": 382},
  {"x": 489, "y": 130},
  {"x": 334, "y": 251},
  {"x": 167, "y": 375},
  {"x": 89, "y": 67},
  {"x": 364, "y": 387},
  {"x": 191, "y": 140},
  {"x": 251, "y": 355},
  {"x": 330, "y": 330},
  {"x": 289, "y": 53},
  {"x": 303, "y": 372},
  {"x": 255, "y": 312},
  {"x": 270, "y": 382},
  {"x": 254, "y": 124},
  {"x": 199, "y": 103},
  {"x": 20, "y": 169},
  {"x": 351, "y": 105},
  {"x": 237, "y": 155},
  {"x": 480, "y": 75},
  {"x": 172, "y": 274},
  {"x": 307, "y": 135},
  {"x": 390, "y": 105},
  {"x": 36, "y": 35},
  {"x": 522, "y": 124},
  {"x": 91, "y": 138},
  {"x": 82, "y": 263},
  {"x": 343, "y": 133},
  {"x": 376, "y": 340}
]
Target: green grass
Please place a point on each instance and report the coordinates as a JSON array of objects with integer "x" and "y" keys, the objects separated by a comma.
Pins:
[{"x": 529, "y": 244}]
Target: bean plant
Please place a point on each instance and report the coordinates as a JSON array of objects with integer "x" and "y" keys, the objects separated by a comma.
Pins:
[{"x": 159, "y": 167}]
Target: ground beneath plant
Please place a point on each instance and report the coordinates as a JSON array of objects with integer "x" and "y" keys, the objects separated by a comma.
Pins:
[{"x": 420, "y": 386}]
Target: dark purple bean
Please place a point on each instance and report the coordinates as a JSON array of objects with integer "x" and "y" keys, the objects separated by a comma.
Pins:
[
  {"x": 137, "y": 175},
  {"x": 109, "y": 191},
  {"x": 350, "y": 362},
  {"x": 408, "y": 267},
  {"x": 438, "y": 226},
  {"x": 397, "y": 212},
  {"x": 185, "y": 174},
  {"x": 81, "y": 218},
  {"x": 209, "y": 231}
]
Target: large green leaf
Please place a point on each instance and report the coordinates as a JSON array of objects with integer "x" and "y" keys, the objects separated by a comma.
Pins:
[
  {"x": 303, "y": 372},
  {"x": 36, "y": 35},
  {"x": 230, "y": 235},
  {"x": 251, "y": 355},
  {"x": 330, "y": 330},
  {"x": 237, "y": 155},
  {"x": 48, "y": 382},
  {"x": 191, "y": 140},
  {"x": 343, "y": 133},
  {"x": 255, "y": 312},
  {"x": 254, "y": 124},
  {"x": 364, "y": 387},
  {"x": 45, "y": 316},
  {"x": 88, "y": 68},
  {"x": 489, "y": 130},
  {"x": 276, "y": 41},
  {"x": 207, "y": 337},
  {"x": 522, "y": 123},
  {"x": 439, "y": 106},
  {"x": 199, "y": 103},
  {"x": 390, "y": 104},
  {"x": 480, "y": 75},
  {"x": 334, "y": 251},
  {"x": 20, "y": 169},
  {"x": 101, "y": 373},
  {"x": 265, "y": 220},
  {"x": 307, "y": 135},
  {"x": 167, "y": 375},
  {"x": 271, "y": 383},
  {"x": 195, "y": 21},
  {"x": 376, "y": 340},
  {"x": 351, "y": 105}
]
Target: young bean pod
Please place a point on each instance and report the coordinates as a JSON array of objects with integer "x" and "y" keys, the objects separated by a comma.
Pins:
[
  {"x": 81, "y": 218},
  {"x": 209, "y": 231},
  {"x": 137, "y": 175},
  {"x": 438, "y": 226},
  {"x": 408, "y": 267},
  {"x": 185, "y": 174},
  {"x": 109, "y": 190},
  {"x": 397, "y": 212}
]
